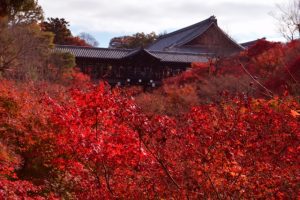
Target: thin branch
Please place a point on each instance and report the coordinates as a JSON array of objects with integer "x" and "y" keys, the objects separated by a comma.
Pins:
[
  {"x": 289, "y": 72},
  {"x": 269, "y": 92},
  {"x": 212, "y": 184},
  {"x": 164, "y": 167},
  {"x": 96, "y": 123},
  {"x": 106, "y": 175}
]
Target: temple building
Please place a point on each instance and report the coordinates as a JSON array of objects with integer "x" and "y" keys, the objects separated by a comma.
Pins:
[{"x": 169, "y": 55}]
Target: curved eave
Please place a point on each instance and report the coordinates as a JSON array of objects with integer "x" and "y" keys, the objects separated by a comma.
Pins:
[
  {"x": 141, "y": 52},
  {"x": 231, "y": 39}
]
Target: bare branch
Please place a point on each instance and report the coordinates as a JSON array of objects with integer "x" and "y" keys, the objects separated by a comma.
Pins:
[
  {"x": 268, "y": 92},
  {"x": 288, "y": 17}
]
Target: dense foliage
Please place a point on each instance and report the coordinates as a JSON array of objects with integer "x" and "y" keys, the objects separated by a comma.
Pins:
[
  {"x": 265, "y": 70},
  {"x": 21, "y": 11},
  {"x": 25, "y": 50},
  {"x": 95, "y": 143}
]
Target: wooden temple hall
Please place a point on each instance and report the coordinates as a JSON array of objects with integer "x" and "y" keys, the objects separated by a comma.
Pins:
[{"x": 169, "y": 55}]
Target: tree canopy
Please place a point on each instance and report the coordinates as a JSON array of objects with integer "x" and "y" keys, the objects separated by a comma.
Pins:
[
  {"x": 136, "y": 40},
  {"x": 21, "y": 11},
  {"x": 58, "y": 26},
  {"x": 62, "y": 34}
]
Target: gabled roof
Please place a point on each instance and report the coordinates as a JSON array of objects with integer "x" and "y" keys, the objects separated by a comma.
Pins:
[
  {"x": 174, "y": 38},
  {"x": 139, "y": 52},
  {"x": 174, "y": 41}
]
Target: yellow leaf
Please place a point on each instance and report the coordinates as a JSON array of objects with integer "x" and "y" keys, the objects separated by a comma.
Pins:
[{"x": 294, "y": 113}]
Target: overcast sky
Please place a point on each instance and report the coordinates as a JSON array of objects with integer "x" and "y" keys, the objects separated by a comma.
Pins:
[{"x": 243, "y": 20}]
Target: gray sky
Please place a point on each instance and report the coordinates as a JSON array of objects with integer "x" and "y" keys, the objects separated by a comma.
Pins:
[{"x": 243, "y": 20}]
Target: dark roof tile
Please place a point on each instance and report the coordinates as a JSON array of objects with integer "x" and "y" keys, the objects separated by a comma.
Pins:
[
  {"x": 181, "y": 35},
  {"x": 106, "y": 53},
  {"x": 180, "y": 57},
  {"x": 89, "y": 52},
  {"x": 251, "y": 43}
]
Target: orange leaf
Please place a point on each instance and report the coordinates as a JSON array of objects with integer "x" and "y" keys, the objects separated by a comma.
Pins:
[{"x": 295, "y": 113}]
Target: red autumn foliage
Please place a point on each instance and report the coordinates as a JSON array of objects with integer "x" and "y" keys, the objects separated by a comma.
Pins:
[
  {"x": 197, "y": 71},
  {"x": 265, "y": 69},
  {"x": 261, "y": 46},
  {"x": 294, "y": 69},
  {"x": 94, "y": 143},
  {"x": 76, "y": 41}
]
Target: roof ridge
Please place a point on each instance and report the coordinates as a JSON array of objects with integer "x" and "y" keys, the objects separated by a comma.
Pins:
[
  {"x": 95, "y": 48},
  {"x": 134, "y": 52},
  {"x": 263, "y": 38},
  {"x": 180, "y": 53},
  {"x": 210, "y": 19},
  {"x": 185, "y": 39}
]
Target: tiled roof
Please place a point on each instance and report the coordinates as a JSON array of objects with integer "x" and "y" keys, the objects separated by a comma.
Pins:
[
  {"x": 140, "y": 51},
  {"x": 182, "y": 35},
  {"x": 180, "y": 57},
  {"x": 88, "y": 52},
  {"x": 251, "y": 43},
  {"x": 191, "y": 50},
  {"x": 174, "y": 41},
  {"x": 168, "y": 48},
  {"x": 106, "y": 53}
]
